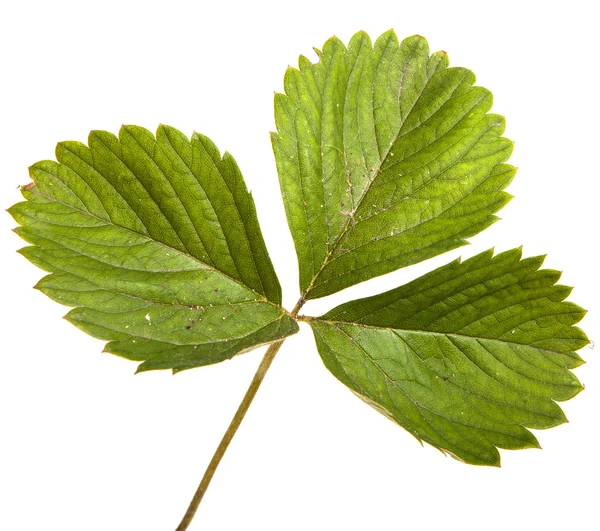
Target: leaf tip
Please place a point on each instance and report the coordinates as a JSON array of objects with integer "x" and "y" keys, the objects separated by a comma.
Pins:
[
  {"x": 161, "y": 129},
  {"x": 361, "y": 34},
  {"x": 141, "y": 368},
  {"x": 166, "y": 132},
  {"x": 40, "y": 285},
  {"x": 417, "y": 40},
  {"x": 493, "y": 459},
  {"x": 580, "y": 387},
  {"x": 389, "y": 32}
]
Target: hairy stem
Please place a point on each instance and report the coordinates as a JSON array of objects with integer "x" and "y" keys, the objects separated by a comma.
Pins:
[{"x": 233, "y": 426}]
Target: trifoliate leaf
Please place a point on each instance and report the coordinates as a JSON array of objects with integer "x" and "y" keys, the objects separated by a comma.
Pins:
[
  {"x": 156, "y": 243},
  {"x": 385, "y": 157},
  {"x": 466, "y": 357}
]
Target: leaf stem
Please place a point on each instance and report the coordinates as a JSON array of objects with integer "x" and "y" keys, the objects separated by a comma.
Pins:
[
  {"x": 298, "y": 306},
  {"x": 233, "y": 426}
]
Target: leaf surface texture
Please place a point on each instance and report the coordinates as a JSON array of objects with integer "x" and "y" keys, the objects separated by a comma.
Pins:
[
  {"x": 386, "y": 157},
  {"x": 466, "y": 357},
  {"x": 155, "y": 243}
]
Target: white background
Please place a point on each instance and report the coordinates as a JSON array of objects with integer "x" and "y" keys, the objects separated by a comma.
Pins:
[{"x": 85, "y": 445}]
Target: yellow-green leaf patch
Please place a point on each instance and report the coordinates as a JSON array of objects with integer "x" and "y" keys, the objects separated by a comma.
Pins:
[{"x": 386, "y": 157}]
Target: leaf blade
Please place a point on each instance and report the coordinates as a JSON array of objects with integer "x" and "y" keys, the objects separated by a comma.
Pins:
[
  {"x": 466, "y": 357},
  {"x": 142, "y": 239},
  {"x": 409, "y": 143}
]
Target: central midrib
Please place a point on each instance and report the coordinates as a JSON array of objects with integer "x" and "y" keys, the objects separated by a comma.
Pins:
[{"x": 376, "y": 171}]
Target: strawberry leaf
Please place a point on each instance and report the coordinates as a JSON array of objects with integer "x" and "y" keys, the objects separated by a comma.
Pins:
[
  {"x": 386, "y": 157},
  {"x": 466, "y": 357},
  {"x": 156, "y": 243}
]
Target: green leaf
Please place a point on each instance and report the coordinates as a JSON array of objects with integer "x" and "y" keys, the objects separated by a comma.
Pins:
[
  {"x": 386, "y": 157},
  {"x": 466, "y": 357},
  {"x": 156, "y": 243}
]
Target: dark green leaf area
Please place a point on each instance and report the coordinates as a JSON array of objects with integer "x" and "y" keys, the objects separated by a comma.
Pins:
[
  {"x": 156, "y": 245},
  {"x": 386, "y": 157},
  {"x": 466, "y": 357}
]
